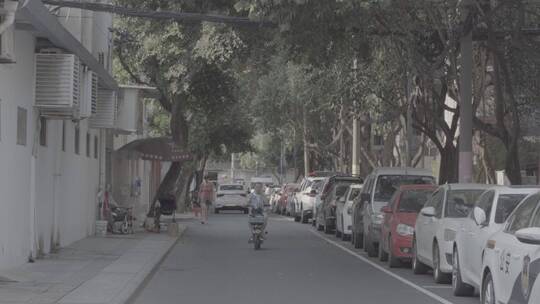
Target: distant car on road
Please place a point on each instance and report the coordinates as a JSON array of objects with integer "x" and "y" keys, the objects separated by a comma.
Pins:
[
  {"x": 511, "y": 264},
  {"x": 344, "y": 210},
  {"x": 231, "y": 197},
  {"x": 378, "y": 189},
  {"x": 334, "y": 188},
  {"x": 436, "y": 228},
  {"x": 488, "y": 216},
  {"x": 395, "y": 245}
]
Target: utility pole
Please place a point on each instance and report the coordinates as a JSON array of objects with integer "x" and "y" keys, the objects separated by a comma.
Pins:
[
  {"x": 281, "y": 161},
  {"x": 465, "y": 104},
  {"x": 356, "y": 130},
  {"x": 409, "y": 128},
  {"x": 304, "y": 137},
  {"x": 232, "y": 167}
]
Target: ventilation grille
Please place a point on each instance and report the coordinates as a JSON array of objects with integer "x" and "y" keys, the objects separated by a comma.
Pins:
[
  {"x": 57, "y": 85},
  {"x": 89, "y": 94},
  {"x": 106, "y": 110}
]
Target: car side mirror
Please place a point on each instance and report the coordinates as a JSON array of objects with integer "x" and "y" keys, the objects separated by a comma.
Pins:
[
  {"x": 428, "y": 211},
  {"x": 529, "y": 236},
  {"x": 386, "y": 209},
  {"x": 479, "y": 216}
]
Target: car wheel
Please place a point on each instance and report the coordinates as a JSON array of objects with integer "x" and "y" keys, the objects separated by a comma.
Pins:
[
  {"x": 320, "y": 227},
  {"x": 246, "y": 211},
  {"x": 460, "y": 288},
  {"x": 327, "y": 229},
  {"x": 313, "y": 222},
  {"x": 383, "y": 255},
  {"x": 338, "y": 233},
  {"x": 393, "y": 262},
  {"x": 216, "y": 211},
  {"x": 296, "y": 218},
  {"x": 417, "y": 266},
  {"x": 487, "y": 296},
  {"x": 358, "y": 240},
  {"x": 370, "y": 247},
  {"x": 438, "y": 275}
]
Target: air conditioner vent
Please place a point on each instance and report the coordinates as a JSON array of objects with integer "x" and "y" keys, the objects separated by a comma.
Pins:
[
  {"x": 106, "y": 108},
  {"x": 57, "y": 85}
]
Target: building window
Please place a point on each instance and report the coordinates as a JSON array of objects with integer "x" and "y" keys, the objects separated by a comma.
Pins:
[
  {"x": 96, "y": 147},
  {"x": 77, "y": 140},
  {"x": 43, "y": 131},
  {"x": 87, "y": 144},
  {"x": 64, "y": 135},
  {"x": 21, "y": 126}
]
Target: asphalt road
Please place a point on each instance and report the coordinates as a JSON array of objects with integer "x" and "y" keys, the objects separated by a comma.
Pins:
[{"x": 213, "y": 263}]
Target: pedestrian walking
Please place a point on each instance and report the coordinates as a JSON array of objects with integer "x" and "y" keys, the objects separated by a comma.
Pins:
[
  {"x": 196, "y": 204},
  {"x": 206, "y": 196}
]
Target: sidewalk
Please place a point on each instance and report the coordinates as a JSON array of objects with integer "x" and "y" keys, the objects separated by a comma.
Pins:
[{"x": 95, "y": 270}]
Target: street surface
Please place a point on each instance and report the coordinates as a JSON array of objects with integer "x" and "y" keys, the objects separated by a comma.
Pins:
[{"x": 214, "y": 263}]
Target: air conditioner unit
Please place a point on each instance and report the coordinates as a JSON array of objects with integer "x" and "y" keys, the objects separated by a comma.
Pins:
[
  {"x": 106, "y": 110},
  {"x": 57, "y": 85},
  {"x": 7, "y": 21},
  {"x": 89, "y": 94},
  {"x": 128, "y": 110}
]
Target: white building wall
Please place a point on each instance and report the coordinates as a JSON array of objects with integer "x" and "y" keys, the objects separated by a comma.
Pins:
[
  {"x": 15, "y": 193},
  {"x": 48, "y": 198}
]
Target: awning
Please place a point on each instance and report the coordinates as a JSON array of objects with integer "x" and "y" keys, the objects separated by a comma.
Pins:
[
  {"x": 42, "y": 20},
  {"x": 155, "y": 148}
]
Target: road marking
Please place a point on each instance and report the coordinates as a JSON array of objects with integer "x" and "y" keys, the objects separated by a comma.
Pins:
[{"x": 388, "y": 272}]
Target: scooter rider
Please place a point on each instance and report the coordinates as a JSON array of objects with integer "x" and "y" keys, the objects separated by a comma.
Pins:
[{"x": 256, "y": 204}]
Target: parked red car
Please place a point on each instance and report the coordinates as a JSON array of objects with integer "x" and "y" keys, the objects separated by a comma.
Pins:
[
  {"x": 286, "y": 197},
  {"x": 399, "y": 220}
]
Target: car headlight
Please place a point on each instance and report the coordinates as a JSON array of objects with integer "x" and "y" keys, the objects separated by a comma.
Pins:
[
  {"x": 404, "y": 230},
  {"x": 349, "y": 210},
  {"x": 377, "y": 219},
  {"x": 449, "y": 235}
]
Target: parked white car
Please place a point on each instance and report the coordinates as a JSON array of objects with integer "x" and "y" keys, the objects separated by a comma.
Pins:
[
  {"x": 344, "y": 212},
  {"x": 488, "y": 216},
  {"x": 231, "y": 197},
  {"x": 511, "y": 264},
  {"x": 305, "y": 198},
  {"x": 436, "y": 228}
]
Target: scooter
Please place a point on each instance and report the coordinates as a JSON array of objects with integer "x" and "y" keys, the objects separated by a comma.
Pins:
[
  {"x": 121, "y": 220},
  {"x": 256, "y": 222}
]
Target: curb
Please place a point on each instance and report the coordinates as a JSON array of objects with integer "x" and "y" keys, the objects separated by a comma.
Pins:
[{"x": 133, "y": 293}]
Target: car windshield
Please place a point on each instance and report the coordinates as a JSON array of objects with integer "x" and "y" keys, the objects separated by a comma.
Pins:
[
  {"x": 317, "y": 185},
  {"x": 388, "y": 184},
  {"x": 505, "y": 205},
  {"x": 341, "y": 189},
  {"x": 414, "y": 200},
  {"x": 354, "y": 193},
  {"x": 460, "y": 202},
  {"x": 231, "y": 187}
]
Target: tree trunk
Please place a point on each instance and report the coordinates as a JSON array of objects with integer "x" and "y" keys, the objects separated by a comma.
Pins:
[
  {"x": 179, "y": 131},
  {"x": 448, "y": 169}
]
